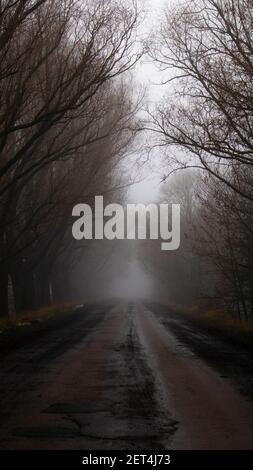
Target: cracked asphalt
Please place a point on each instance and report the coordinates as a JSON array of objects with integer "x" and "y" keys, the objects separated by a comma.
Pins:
[{"x": 123, "y": 377}]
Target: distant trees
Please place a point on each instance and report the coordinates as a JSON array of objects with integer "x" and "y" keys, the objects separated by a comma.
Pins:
[
  {"x": 178, "y": 275},
  {"x": 224, "y": 239},
  {"x": 66, "y": 120},
  {"x": 215, "y": 260}
]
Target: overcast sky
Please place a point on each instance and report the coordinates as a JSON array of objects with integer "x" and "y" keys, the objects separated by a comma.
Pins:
[
  {"x": 133, "y": 280},
  {"x": 147, "y": 75},
  {"x": 146, "y": 72}
]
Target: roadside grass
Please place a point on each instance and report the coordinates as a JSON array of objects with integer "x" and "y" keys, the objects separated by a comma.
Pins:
[
  {"x": 219, "y": 323},
  {"x": 35, "y": 316}
]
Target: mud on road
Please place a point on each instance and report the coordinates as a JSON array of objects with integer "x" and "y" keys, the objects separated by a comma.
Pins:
[
  {"x": 232, "y": 360},
  {"x": 87, "y": 385},
  {"x": 123, "y": 376}
]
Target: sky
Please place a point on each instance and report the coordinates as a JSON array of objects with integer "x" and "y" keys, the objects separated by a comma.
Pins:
[
  {"x": 147, "y": 75},
  {"x": 134, "y": 282},
  {"x": 146, "y": 72}
]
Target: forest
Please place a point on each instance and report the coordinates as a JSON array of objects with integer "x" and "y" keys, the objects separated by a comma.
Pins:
[{"x": 75, "y": 123}]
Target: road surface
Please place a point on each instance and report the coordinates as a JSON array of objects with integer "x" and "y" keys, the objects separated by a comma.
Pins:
[{"x": 129, "y": 377}]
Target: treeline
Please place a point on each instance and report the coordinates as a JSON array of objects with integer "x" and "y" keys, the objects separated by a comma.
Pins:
[
  {"x": 67, "y": 118},
  {"x": 205, "y": 50}
]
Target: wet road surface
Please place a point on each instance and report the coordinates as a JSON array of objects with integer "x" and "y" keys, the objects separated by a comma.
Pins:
[{"x": 125, "y": 376}]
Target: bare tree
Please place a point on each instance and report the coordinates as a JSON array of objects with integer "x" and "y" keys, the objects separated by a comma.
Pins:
[
  {"x": 56, "y": 59},
  {"x": 205, "y": 49},
  {"x": 41, "y": 235},
  {"x": 224, "y": 240}
]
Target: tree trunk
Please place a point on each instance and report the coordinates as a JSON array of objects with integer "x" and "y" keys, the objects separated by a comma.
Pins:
[
  {"x": 23, "y": 288},
  {"x": 4, "y": 307},
  {"x": 42, "y": 288}
]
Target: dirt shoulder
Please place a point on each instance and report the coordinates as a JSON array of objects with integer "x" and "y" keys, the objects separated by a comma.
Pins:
[
  {"x": 216, "y": 323},
  {"x": 29, "y": 327},
  {"x": 226, "y": 352}
]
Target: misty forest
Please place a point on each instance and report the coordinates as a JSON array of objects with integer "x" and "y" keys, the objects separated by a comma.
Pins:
[
  {"x": 141, "y": 102},
  {"x": 74, "y": 119}
]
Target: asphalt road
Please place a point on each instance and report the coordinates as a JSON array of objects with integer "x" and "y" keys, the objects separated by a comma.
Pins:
[{"x": 124, "y": 376}]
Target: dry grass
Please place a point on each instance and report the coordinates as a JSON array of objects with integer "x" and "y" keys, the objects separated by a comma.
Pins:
[
  {"x": 218, "y": 322},
  {"x": 218, "y": 319},
  {"x": 28, "y": 318},
  {"x": 223, "y": 320}
]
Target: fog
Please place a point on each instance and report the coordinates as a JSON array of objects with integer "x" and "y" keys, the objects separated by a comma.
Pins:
[
  {"x": 123, "y": 274},
  {"x": 121, "y": 121},
  {"x": 132, "y": 284}
]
